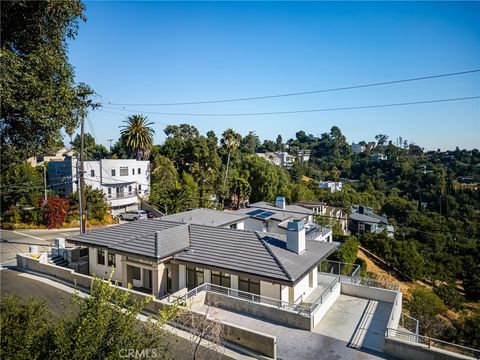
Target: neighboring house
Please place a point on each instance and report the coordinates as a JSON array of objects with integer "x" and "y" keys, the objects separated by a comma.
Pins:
[
  {"x": 378, "y": 157},
  {"x": 304, "y": 155},
  {"x": 280, "y": 158},
  {"x": 209, "y": 217},
  {"x": 274, "y": 218},
  {"x": 332, "y": 186},
  {"x": 364, "y": 220},
  {"x": 286, "y": 159},
  {"x": 329, "y": 212},
  {"x": 357, "y": 148},
  {"x": 123, "y": 181},
  {"x": 162, "y": 257},
  {"x": 58, "y": 155},
  {"x": 271, "y": 157}
]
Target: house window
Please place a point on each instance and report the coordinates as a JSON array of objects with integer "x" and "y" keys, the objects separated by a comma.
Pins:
[
  {"x": 111, "y": 259},
  {"x": 139, "y": 187},
  {"x": 168, "y": 269},
  {"x": 133, "y": 171},
  {"x": 129, "y": 189},
  {"x": 123, "y": 171},
  {"x": 109, "y": 191},
  {"x": 221, "y": 279},
  {"x": 249, "y": 285},
  {"x": 194, "y": 277},
  {"x": 100, "y": 257},
  {"x": 233, "y": 226},
  {"x": 92, "y": 173},
  {"x": 139, "y": 172},
  {"x": 113, "y": 172},
  {"x": 136, "y": 273}
]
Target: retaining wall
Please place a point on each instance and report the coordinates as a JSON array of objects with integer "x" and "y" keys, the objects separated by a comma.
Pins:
[
  {"x": 259, "y": 310},
  {"x": 406, "y": 350}
]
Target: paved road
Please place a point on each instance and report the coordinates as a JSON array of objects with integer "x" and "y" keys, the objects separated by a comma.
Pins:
[
  {"x": 56, "y": 295},
  {"x": 13, "y": 242}
]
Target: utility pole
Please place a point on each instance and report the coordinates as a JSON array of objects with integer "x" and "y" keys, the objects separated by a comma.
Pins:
[
  {"x": 45, "y": 182},
  {"x": 79, "y": 190},
  {"x": 110, "y": 141},
  {"x": 81, "y": 194}
]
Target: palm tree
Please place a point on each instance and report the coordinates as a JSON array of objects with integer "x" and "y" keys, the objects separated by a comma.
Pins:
[
  {"x": 230, "y": 140},
  {"x": 138, "y": 135}
]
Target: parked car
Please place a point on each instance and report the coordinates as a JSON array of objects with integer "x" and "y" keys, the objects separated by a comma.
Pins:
[{"x": 133, "y": 215}]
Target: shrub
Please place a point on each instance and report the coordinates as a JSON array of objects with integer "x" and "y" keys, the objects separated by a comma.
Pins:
[{"x": 450, "y": 296}]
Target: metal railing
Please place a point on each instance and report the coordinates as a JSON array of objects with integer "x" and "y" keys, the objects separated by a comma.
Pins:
[
  {"x": 409, "y": 323},
  {"x": 243, "y": 295},
  {"x": 382, "y": 284},
  {"x": 325, "y": 294},
  {"x": 314, "y": 231},
  {"x": 339, "y": 268},
  {"x": 431, "y": 342}
]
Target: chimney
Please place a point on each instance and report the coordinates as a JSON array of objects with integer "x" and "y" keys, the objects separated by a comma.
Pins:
[
  {"x": 280, "y": 202},
  {"x": 296, "y": 236},
  {"x": 157, "y": 244},
  {"x": 361, "y": 209}
]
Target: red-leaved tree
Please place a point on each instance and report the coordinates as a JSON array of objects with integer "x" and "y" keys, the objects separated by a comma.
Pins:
[{"x": 57, "y": 210}]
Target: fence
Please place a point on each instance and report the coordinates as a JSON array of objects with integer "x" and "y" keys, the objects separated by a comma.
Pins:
[
  {"x": 325, "y": 294},
  {"x": 409, "y": 323},
  {"x": 432, "y": 343},
  {"x": 284, "y": 305},
  {"x": 339, "y": 268},
  {"x": 369, "y": 282}
]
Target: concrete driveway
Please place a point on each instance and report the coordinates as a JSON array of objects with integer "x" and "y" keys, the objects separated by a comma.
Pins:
[{"x": 295, "y": 343}]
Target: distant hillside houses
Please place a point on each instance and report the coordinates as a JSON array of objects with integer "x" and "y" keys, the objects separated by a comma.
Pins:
[
  {"x": 283, "y": 158},
  {"x": 364, "y": 220},
  {"x": 332, "y": 186},
  {"x": 357, "y": 148}
]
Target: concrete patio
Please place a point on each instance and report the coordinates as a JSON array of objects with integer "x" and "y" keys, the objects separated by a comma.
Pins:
[
  {"x": 356, "y": 321},
  {"x": 295, "y": 343}
]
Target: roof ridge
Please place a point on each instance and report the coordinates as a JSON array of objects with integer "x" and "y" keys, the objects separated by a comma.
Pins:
[{"x": 274, "y": 257}]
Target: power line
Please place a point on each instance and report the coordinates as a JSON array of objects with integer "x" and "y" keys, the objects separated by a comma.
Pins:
[
  {"x": 305, "y": 111},
  {"x": 302, "y": 92}
]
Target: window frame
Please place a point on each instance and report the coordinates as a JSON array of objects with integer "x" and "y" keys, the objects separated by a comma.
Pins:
[
  {"x": 100, "y": 255},
  {"x": 111, "y": 259},
  {"x": 113, "y": 172},
  {"x": 123, "y": 171}
]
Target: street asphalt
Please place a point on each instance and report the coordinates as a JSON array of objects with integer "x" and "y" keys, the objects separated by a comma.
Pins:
[{"x": 18, "y": 241}]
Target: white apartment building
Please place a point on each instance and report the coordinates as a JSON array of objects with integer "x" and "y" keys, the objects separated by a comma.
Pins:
[
  {"x": 123, "y": 181},
  {"x": 331, "y": 185},
  {"x": 357, "y": 148}
]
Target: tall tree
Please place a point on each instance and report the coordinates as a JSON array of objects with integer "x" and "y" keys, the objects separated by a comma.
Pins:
[
  {"x": 92, "y": 150},
  {"x": 280, "y": 146},
  {"x": 138, "y": 135},
  {"x": 39, "y": 96},
  {"x": 381, "y": 140},
  {"x": 230, "y": 141}
]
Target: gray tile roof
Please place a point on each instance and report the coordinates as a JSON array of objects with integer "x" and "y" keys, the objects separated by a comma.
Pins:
[
  {"x": 138, "y": 237},
  {"x": 364, "y": 218},
  {"x": 258, "y": 254},
  {"x": 294, "y": 264},
  {"x": 230, "y": 249},
  {"x": 206, "y": 217}
]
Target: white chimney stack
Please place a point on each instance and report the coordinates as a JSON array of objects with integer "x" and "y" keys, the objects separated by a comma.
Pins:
[
  {"x": 296, "y": 236},
  {"x": 280, "y": 202}
]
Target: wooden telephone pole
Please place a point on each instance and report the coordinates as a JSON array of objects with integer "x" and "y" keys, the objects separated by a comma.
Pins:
[{"x": 84, "y": 91}]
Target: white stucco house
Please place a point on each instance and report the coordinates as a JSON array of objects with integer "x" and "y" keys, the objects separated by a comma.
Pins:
[
  {"x": 332, "y": 186},
  {"x": 274, "y": 218},
  {"x": 123, "y": 181},
  {"x": 162, "y": 257}
]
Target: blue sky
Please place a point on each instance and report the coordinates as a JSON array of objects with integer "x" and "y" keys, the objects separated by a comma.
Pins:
[{"x": 161, "y": 52}]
